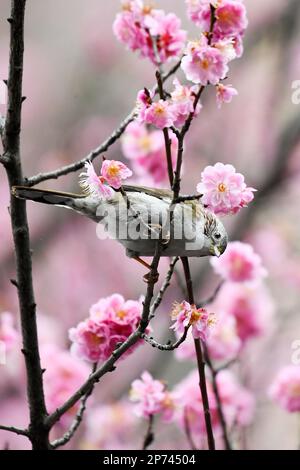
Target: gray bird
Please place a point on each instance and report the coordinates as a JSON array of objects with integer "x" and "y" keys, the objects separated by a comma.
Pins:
[{"x": 137, "y": 216}]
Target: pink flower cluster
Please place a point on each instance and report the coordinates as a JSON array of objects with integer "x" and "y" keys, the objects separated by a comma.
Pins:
[
  {"x": 9, "y": 336},
  {"x": 206, "y": 60},
  {"x": 237, "y": 403},
  {"x": 140, "y": 26},
  {"x": 231, "y": 18},
  {"x": 239, "y": 263},
  {"x": 167, "y": 113},
  {"x": 152, "y": 397},
  {"x": 285, "y": 389},
  {"x": 186, "y": 315},
  {"x": 111, "y": 322},
  {"x": 63, "y": 376},
  {"x": 204, "y": 63},
  {"x": 113, "y": 173},
  {"x": 224, "y": 190},
  {"x": 146, "y": 150}
]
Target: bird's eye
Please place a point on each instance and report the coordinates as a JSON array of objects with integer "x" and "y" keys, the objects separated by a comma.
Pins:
[{"x": 217, "y": 236}]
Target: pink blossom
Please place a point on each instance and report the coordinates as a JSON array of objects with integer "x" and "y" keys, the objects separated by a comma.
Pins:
[
  {"x": 183, "y": 98},
  {"x": 224, "y": 343},
  {"x": 63, "y": 376},
  {"x": 90, "y": 340},
  {"x": 115, "y": 172},
  {"x": 138, "y": 25},
  {"x": 231, "y": 16},
  {"x": 239, "y": 263},
  {"x": 93, "y": 184},
  {"x": 146, "y": 150},
  {"x": 115, "y": 308},
  {"x": 199, "y": 319},
  {"x": 285, "y": 389},
  {"x": 160, "y": 114},
  {"x": 165, "y": 29},
  {"x": 225, "y": 94},
  {"x": 8, "y": 333},
  {"x": 112, "y": 320},
  {"x": 204, "y": 64},
  {"x": 224, "y": 190},
  {"x": 250, "y": 304},
  {"x": 152, "y": 397}
]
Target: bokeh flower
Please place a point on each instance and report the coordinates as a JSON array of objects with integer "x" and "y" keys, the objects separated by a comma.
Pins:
[
  {"x": 225, "y": 93},
  {"x": 9, "y": 335},
  {"x": 239, "y": 263},
  {"x": 285, "y": 389},
  {"x": 145, "y": 149},
  {"x": 63, "y": 376},
  {"x": 152, "y": 397}
]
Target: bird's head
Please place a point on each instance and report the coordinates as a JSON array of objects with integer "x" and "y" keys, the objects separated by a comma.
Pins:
[{"x": 215, "y": 234}]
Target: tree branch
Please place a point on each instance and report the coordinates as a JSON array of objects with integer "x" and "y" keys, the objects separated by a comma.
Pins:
[
  {"x": 21, "y": 432},
  {"x": 166, "y": 347},
  {"x": 109, "y": 365},
  {"x": 11, "y": 144},
  {"x": 77, "y": 420},
  {"x": 65, "y": 170}
]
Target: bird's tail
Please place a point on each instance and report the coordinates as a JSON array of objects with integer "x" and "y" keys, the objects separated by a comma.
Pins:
[{"x": 45, "y": 196}]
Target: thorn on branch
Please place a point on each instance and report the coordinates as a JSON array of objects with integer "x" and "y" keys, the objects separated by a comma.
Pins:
[{"x": 14, "y": 283}]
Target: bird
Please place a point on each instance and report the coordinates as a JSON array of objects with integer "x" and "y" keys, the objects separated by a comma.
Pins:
[{"x": 139, "y": 216}]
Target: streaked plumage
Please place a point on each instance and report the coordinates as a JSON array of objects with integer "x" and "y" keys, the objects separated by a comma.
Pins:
[{"x": 194, "y": 231}]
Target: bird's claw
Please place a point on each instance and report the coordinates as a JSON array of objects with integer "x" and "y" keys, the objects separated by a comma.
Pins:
[{"x": 151, "y": 278}]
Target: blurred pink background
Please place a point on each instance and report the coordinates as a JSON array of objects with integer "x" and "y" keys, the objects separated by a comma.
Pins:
[{"x": 80, "y": 83}]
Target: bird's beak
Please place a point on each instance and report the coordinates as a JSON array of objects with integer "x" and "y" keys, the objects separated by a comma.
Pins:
[{"x": 217, "y": 252}]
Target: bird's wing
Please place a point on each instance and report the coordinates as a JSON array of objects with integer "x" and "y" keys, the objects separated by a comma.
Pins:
[{"x": 155, "y": 192}]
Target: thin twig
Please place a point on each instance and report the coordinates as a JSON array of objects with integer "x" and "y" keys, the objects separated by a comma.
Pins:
[
  {"x": 166, "y": 347},
  {"x": 216, "y": 391},
  {"x": 149, "y": 437},
  {"x": 213, "y": 297},
  {"x": 187, "y": 429},
  {"x": 163, "y": 288},
  {"x": 77, "y": 420},
  {"x": 21, "y": 432},
  {"x": 165, "y": 130}
]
